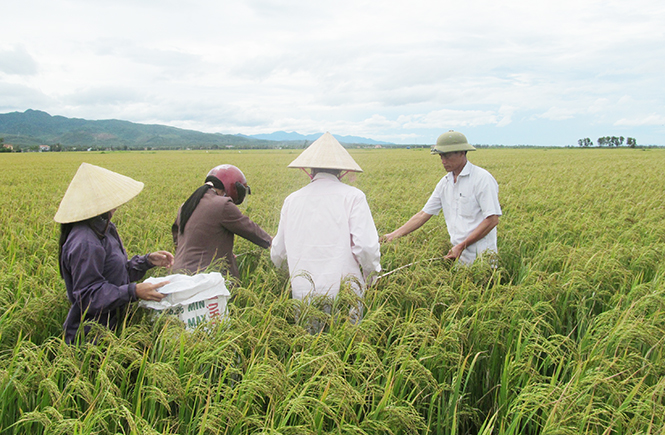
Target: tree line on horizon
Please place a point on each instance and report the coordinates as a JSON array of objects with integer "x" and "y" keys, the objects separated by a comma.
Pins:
[{"x": 610, "y": 141}]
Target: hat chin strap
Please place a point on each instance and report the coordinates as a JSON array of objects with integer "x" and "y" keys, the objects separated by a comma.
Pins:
[
  {"x": 308, "y": 174},
  {"x": 311, "y": 176}
]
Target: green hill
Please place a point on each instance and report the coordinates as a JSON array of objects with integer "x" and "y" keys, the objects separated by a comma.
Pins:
[{"x": 34, "y": 127}]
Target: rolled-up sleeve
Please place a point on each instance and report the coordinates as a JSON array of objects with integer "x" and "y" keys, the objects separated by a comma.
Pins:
[
  {"x": 487, "y": 196},
  {"x": 434, "y": 204}
]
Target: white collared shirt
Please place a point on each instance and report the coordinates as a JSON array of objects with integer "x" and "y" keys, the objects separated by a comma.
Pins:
[
  {"x": 465, "y": 204},
  {"x": 326, "y": 231}
]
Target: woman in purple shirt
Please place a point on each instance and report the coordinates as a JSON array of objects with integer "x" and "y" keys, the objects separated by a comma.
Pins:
[{"x": 93, "y": 262}]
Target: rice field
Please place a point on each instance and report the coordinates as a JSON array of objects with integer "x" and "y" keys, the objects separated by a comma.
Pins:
[{"x": 566, "y": 336}]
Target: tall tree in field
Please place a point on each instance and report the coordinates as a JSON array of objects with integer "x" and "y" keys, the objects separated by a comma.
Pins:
[
  {"x": 617, "y": 141},
  {"x": 631, "y": 142},
  {"x": 586, "y": 142}
]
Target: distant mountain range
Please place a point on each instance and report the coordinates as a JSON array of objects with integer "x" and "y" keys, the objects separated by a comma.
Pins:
[
  {"x": 34, "y": 127},
  {"x": 293, "y": 136}
]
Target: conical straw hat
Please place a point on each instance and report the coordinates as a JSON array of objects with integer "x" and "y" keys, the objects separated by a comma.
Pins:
[
  {"x": 326, "y": 153},
  {"x": 94, "y": 191}
]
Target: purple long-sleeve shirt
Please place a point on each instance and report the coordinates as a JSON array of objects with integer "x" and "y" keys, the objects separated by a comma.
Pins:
[{"x": 98, "y": 276}]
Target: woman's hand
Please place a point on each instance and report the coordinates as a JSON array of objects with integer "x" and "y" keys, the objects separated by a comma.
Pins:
[
  {"x": 148, "y": 292},
  {"x": 161, "y": 259}
]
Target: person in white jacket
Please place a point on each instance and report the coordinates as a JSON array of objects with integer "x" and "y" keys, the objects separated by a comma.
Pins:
[{"x": 326, "y": 233}]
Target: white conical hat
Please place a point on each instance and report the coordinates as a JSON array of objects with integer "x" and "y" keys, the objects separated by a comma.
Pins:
[
  {"x": 94, "y": 191},
  {"x": 326, "y": 153}
]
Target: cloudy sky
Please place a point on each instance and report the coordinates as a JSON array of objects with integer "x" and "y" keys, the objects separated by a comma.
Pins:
[{"x": 503, "y": 72}]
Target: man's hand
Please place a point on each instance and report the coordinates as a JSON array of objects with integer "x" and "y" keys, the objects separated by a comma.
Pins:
[
  {"x": 455, "y": 252},
  {"x": 387, "y": 237},
  {"x": 161, "y": 259},
  {"x": 148, "y": 292},
  {"x": 478, "y": 233},
  {"x": 416, "y": 221}
]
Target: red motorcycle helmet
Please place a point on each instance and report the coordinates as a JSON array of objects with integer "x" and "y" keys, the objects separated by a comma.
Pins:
[{"x": 234, "y": 181}]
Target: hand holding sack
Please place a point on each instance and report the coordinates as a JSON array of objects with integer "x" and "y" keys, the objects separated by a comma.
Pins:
[{"x": 193, "y": 298}]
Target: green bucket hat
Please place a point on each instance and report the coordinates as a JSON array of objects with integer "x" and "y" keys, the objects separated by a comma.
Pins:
[{"x": 450, "y": 142}]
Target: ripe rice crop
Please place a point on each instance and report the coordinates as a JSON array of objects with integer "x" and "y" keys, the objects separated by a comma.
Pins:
[{"x": 566, "y": 336}]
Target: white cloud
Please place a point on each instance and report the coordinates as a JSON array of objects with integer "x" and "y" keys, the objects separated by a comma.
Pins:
[
  {"x": 653, "y": 119},
  {"x": 556, "y": 114},
  {"x": 447, "y": 118},
  {"x": 17, "y": 61},
  {"x": 395, "y": 70},
  {"x": 506, "y": 114},
  {"x": 18, "y": 96}
]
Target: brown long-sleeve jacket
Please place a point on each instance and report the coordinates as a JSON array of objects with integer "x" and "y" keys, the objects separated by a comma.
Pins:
[{"x": 209, "y": 234}]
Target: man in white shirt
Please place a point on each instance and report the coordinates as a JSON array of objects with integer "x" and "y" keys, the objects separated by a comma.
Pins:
[
  {"x": 326, "y": 232},
  {"x": 469, "y": 198}
]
